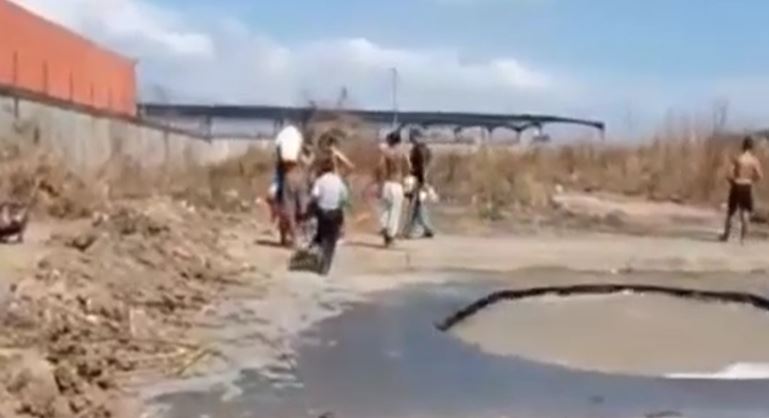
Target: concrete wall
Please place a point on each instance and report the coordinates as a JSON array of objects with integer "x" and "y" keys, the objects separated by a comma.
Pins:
[{"x": 88, "y": 141}]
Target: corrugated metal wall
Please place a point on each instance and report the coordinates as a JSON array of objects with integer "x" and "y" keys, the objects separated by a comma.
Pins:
[{"x": 39, "y": 56}]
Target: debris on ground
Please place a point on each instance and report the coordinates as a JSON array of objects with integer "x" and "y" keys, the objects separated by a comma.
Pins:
[{"x": 110, "y": 305}]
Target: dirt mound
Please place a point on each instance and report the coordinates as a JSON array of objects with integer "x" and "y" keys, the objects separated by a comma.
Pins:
[
  {"x": 33, "y": 175},
  {"x": 112, "y": 304}
]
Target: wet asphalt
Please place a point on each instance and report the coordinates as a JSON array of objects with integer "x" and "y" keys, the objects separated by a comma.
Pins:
[{"x": 386, "y": 358}]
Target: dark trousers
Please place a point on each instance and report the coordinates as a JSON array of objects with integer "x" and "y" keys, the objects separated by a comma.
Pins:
[{"x": 326, "y": 236}]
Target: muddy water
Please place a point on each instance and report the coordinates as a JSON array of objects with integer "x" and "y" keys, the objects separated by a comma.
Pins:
[
  {"x": 385, "y": 358},
  {"x": 652, "y": 335}
]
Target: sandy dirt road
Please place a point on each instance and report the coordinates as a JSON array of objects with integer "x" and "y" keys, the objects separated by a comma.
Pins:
[{"x": 217, "y": 283}]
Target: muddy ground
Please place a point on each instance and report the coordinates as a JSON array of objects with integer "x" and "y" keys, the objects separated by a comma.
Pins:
[{"x": 161, "y": 290}]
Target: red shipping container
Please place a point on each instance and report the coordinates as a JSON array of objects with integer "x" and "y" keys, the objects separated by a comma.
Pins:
[{"x": 42, "y": 57}]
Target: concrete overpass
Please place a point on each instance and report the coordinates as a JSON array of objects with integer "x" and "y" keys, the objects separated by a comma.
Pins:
[{"x": 234, "y": 121}]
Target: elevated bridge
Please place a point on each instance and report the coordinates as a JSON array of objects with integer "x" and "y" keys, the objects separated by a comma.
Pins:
[{"x": 246, "y": 121}]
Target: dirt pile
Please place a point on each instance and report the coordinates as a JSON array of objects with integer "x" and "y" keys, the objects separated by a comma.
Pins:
[
  {"x": 34, "y": 175},
  {"x": 111, "y": 305}
]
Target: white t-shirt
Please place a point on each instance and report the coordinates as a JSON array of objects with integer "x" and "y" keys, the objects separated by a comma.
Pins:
[
  {"x": 329, "y": 192},
  {"x": 289, "y": 142}
]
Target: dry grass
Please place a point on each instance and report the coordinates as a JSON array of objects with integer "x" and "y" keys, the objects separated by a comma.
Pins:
[
  {"x": 237, "y": 184},
  {"x": 62, "y": 193},
  {"x": 679, "y": 170},
  {"x": 492, "y": 180}
]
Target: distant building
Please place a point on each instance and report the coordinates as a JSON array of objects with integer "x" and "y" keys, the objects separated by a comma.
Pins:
[{"x": 41, "y": 58}]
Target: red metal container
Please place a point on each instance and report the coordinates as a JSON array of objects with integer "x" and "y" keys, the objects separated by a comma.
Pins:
[{"x": 42, "y": 57}]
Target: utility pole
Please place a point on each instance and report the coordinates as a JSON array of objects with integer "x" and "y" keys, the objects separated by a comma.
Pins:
[{"x": 394, "y": 71}]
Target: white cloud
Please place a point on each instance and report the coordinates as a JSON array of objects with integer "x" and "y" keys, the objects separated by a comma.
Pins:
[
  {"x": 143, "y": 26},
  {"x": 225, "y": 61},
  {"x": 198, "y": 58}
]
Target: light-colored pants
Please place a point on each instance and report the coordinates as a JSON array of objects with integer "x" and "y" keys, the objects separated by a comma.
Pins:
[
  {"x": 417, "y": 215},
  {"x": 392, "y": 205}
]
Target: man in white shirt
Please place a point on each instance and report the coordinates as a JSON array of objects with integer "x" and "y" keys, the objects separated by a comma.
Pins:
[
  {"x": 329, "y": 195},
  {"x": 289, "y": 143},
  {"x": 290, "y": 181}
]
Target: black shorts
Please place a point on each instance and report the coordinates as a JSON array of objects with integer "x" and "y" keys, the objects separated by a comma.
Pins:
[{"x": 741, "y": 197}]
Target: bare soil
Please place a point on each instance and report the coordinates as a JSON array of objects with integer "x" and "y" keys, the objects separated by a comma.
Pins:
[
  {"x": 153, "y": 290},
  {"x": 131, "y": 278}
]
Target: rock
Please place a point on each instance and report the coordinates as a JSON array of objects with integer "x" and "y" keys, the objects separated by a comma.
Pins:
[
  {"x": 614, "y": 218},
  {"x": 29, "y": 378},
  {"x": 82, "y": 242},
  {"x": 140, "y": 324},
  {"x": 67, "y": 380}
]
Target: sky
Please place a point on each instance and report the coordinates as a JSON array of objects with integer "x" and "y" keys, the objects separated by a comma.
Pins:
[{"x": 631, "y": 63}]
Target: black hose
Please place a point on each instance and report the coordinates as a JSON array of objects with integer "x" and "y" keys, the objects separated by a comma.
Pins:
[{"x": 602, "y": 289}]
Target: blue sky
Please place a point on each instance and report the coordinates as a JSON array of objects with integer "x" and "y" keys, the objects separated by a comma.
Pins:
[
  {"x": 627, "y": 61},
  {"x": 667, "y": 38}
]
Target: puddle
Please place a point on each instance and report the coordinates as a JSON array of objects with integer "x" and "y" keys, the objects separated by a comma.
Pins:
[
  {"x": 652, "y": 335},
  {"x": 387, "y": 358}
]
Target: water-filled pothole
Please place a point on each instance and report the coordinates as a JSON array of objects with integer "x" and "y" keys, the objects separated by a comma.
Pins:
[{"x": 622, "y": 330}]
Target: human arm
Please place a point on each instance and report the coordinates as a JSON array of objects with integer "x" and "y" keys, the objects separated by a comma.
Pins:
[
  {"x": 380, "y": 169},
  {"x": 733, "y": 170},
  {"x": 406, "y": 161},
  {"x": 344, "y": 194},
  {"x": 306, "y": 156},
  {"x": 339, "y": 155},
  {"x": 757, "y": 171},
  {"x": 427, "y": 164},
  {"x": 315, "y": 192}
]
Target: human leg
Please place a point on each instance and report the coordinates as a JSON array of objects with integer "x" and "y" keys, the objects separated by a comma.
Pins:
[
  {"x": 423, "y": 218},
  {"x": 297, "y": 203},
  {"x": 385, "y": 207},
  {"x": 411, "y": 216},
  {"x": 746, "y": 210},
  {"x": 744, "y": 225},
  {"x": 329, "y": 223},
  {"x": 396, "y": 209},
  {"x": 730, "y": 211}
]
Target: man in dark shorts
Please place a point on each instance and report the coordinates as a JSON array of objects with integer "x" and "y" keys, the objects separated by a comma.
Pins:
[{"x": 746, "y": 170}]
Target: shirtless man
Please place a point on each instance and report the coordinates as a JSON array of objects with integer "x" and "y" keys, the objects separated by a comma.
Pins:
[
  {"x": 393, "y": 164},
  {"x": 328, "y": 148},
  {"x": 746, "y": 170}
]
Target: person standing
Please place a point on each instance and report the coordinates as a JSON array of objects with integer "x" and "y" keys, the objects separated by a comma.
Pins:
[
  {"x": 419, "y": 158},
  {"x": 393, "y": 163},
  {"x": 745, "y": 171},
  {"x": 328, "y": 149},
  {"x": 291, "y": 193},
  {"x": 329, "y": 196}
]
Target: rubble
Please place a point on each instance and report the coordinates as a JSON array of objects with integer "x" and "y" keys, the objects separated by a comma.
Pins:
[{"x": 110, "y": 304}]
